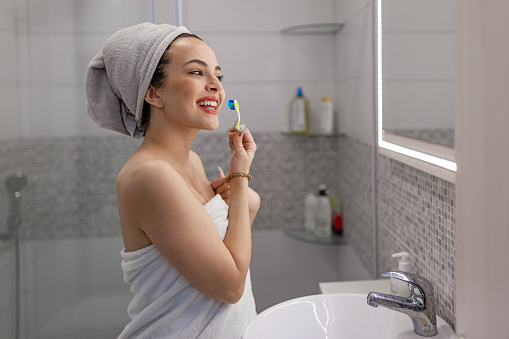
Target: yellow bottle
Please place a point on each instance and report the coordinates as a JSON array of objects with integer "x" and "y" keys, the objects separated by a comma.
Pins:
[{"x": 299, "y": 114}]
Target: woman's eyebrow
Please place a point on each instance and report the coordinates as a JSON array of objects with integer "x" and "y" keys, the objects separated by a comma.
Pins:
[{"x": 200, "y": 62}]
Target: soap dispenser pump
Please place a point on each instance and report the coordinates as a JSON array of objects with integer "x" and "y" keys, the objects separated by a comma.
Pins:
[{"x": 398, "y": 287}]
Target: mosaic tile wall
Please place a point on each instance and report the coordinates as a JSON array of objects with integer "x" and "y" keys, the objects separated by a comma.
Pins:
[
  {"x": 416, "y": 214},
  {"x": 71, "y": 181}
]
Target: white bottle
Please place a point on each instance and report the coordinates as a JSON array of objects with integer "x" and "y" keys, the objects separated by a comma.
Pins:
[
  {"x": 299, "y": 114},
  {"x": 399, "y": 287},
  {"x": 326, "y": 118},
  {"x": 309, "y": 212},
  {"x": 323, "y": 213}
]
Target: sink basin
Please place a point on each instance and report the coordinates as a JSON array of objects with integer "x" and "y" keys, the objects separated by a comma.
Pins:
[{"x": 331, "y": 316}]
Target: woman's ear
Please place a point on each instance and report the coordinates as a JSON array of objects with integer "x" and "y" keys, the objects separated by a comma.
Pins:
[{"x": 153, "y": 98}]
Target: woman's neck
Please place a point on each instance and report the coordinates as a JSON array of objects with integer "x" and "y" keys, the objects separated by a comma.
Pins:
[{"x": 172, "y": 145}]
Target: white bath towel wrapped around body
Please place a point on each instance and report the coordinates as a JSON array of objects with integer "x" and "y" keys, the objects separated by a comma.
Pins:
[{"x": 166, "y": 305}]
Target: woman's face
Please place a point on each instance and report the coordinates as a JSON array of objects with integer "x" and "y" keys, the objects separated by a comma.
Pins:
[{"x": 192, "y": 93}]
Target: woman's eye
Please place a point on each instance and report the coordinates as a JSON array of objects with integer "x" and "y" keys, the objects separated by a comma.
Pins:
[
  {"x": 196, "y": 72},
  {"x": 220, "y": 78}
]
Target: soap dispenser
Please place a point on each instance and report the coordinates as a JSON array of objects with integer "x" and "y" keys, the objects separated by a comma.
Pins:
[{"x": 398, "y": 287}]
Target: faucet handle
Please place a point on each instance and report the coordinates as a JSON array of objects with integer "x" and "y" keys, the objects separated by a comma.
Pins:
[{"x": 424, "y": 286}]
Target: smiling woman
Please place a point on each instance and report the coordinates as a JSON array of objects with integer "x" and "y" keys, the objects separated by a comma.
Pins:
[{"x": 187, "y": 241}]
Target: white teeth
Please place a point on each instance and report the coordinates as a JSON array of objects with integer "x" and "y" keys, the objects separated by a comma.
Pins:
[{"x": 208, "y": 103}]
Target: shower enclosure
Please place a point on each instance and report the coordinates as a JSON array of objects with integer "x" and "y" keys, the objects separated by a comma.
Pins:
[
  {"x": 60, "y": 274},
  {"x": 59, "y": 247}
]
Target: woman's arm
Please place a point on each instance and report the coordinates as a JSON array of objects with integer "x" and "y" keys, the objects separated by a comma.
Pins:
[{"x": 158, "y": 202}]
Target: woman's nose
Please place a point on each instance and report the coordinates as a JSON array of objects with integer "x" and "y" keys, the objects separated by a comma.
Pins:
[{"x": 214, "y": 85}]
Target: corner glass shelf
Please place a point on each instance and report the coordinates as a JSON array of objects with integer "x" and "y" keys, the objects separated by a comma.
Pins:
[
  {"x": 308, "y": 237},
  {"x": 314, "y": 29}
]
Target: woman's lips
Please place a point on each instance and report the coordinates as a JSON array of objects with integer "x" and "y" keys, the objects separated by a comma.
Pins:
[{"x": 209, "y": 110}]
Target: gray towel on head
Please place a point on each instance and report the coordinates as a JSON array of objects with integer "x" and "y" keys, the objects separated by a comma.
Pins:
[{"x": 119, "y": 75}]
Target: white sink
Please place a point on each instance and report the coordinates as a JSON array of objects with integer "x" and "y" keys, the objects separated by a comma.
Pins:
[{"x": 330, "y": 316}]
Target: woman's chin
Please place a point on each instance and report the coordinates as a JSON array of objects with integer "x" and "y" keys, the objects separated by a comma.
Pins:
[{"x": 212, "y": 126}]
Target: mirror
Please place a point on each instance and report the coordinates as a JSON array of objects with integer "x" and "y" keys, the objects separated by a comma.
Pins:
[{"x": 415, "y": 49}]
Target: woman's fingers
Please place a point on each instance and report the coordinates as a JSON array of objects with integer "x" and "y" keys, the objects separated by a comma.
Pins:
[{"x": 216, "y": 184}]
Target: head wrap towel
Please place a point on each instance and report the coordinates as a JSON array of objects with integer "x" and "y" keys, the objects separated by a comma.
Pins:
[{"x": 119, "y": 75}]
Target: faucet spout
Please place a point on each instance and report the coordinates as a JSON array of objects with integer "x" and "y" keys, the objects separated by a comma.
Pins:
[
  {"x": 390, "y": 301},
  {"x": 419, "y": 306}
]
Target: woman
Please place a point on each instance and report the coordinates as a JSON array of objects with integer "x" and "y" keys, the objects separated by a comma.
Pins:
[{"x": 187, "y": 253}]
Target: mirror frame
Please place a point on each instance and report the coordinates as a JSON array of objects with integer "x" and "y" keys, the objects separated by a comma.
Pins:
[{"x": 435, "y": 159}]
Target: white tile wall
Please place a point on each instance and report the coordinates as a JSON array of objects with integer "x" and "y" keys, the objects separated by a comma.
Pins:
[
  {"x": 8, "y": 75},
  {"x": 354, "y": 71},
  {"x": 10, "y": 127},
  {"x": 273, "y": 57},
  {"x": 348, "y": 9},
  {"x": 52, "y": 113},
  {"x": 7, "y": 15},
  {"x": 354, "y": 45},
  {"x": 254, "y": 16},
  {"x": 355, "y": 106},
  {"x": 91, "y": 16}
]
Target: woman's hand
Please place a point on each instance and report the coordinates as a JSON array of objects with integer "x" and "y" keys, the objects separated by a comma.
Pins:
[
  {"x": 222, "y": 188},
  {"x": 244, "y": 150}
]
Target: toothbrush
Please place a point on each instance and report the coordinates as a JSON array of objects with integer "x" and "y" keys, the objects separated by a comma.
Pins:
[
  {"x": 221, "y": 172},
  {"x": 234, "y": 106}
]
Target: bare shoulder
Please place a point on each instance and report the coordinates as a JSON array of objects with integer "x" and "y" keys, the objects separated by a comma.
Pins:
[
  {"x": 145, "y": 187},
  {"x": 143, "y": 173}
]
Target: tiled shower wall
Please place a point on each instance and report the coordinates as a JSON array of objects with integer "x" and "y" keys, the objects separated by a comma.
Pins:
[{"x": 71, "y": 190}]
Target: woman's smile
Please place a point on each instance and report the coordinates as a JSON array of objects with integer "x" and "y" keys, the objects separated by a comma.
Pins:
[{"x": 209, "y": 105}]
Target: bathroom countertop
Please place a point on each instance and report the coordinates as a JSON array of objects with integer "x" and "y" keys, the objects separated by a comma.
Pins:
[{"x": 359, "y": 286}]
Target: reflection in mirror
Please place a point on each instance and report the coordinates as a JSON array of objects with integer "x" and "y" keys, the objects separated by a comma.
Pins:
[
  {"x": 415, "y": 43},
  {"x": 418, "y": 69}
]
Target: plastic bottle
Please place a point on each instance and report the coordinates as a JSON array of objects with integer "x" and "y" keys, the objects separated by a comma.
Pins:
[
  {"x": 299, "y": 114},
  {"x": 323, "y": 213},
  {"x": 337, "y": 219},
  {"x": 326, "y": 116},
  {"x": 309, "y": 212},
  {"x": 399, "y": 287}
]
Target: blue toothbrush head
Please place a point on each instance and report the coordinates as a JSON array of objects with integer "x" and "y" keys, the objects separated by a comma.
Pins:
[{"x": 233, "y": 104}]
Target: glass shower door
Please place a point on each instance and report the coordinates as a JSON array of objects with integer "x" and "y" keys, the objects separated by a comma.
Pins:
[{"x": 71, "y": 283}]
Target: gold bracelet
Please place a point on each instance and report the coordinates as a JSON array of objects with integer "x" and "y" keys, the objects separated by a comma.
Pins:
[{"x": 236, "y": 175}]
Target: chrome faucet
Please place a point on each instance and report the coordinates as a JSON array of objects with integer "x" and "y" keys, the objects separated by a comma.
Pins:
[{"x": 419, "y": 306}]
